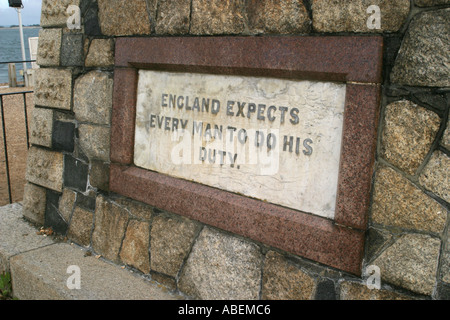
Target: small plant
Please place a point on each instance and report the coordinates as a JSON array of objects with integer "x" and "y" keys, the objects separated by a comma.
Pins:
[{"x": 5, "y": 286}]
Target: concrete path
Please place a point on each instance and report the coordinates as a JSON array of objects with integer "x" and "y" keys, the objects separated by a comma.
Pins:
[{"x": 43, "y": 269}]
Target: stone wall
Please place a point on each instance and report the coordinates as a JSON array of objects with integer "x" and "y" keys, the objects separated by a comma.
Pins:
[{"x": 68, "y": 164}]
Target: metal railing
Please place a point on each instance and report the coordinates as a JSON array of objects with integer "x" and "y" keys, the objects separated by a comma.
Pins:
[{"x": 5, "y": 144}]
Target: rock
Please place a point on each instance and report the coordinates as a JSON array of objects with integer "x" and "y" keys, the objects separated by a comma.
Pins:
[
  {"x": 430, "y": 3},
  {"x": 409, "y": 132},
  {"x": 123, "y": 18},
  {"x": 49, "y": 48},
  {"x": 221, "y": 267},
  {"x": 281, "y": 17},
  {"x": 171, "y": 242},
  {"x": 34, "y": 203},
  {"x": 411, "y": 262},
  {"x": 173, "y": 17},
  {"x": 92, "y": 101},
  {"x": 66, "y": 203},
  {"x": 45, "y": 168},
  {"x": 99, "y": 175},
  {"x": 211, "y": 17},
  {"x": 42, "y": 127},
  {"x": 397, "y": 202},
  {"x": 101, "y": 53},
  {"x": 445, "y": 142},
  {"x": 354, "y": 16},
  {"x": 81, "y": 226},
  {"x": 282, "y": 280},
  {"x": 54, "y": 12},
  {"x": 134, "y": 250},
  {"x": 423, "y": 58},
  {"x": 358, "y": 291},
  {"x": 53, "y": 88},
  {"x": 94, "y": 140},
  {"x": 435, "y": 176},
  {"x": 72, "y": 50},
  {"x": 110, "y": 224}
]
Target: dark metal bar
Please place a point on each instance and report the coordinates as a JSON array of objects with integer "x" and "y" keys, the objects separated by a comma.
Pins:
[
  {"x": 6, "y": 62},
  {"x": 6, "y": 149},
  {"x": 13, "y": 93},
  {"x": 26, "y": 118}
]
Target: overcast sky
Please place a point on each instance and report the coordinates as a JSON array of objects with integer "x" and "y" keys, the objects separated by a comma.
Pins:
[{"x": 31, "y": 13}]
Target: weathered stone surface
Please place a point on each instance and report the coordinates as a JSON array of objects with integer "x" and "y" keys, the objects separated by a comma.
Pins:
[
  {"x": 411, "y": 262},
  {"x": 99, "y": 175},
  {"x": 423, "y": 58},
  {"x": 409, "y": 132},
  {"x": 54, "y": 12},
  {"x": 45, "y": 168},
  {"x": 63, "y": 136},
  {"x": 49, "y": 48},
  {"x": 80, "y": 227},
  {"x": 282, "y": 17},
  {"x": 376, "y": 240},
  {"x": 53, "y": 218},
  {"x": 66, "y": 203},
  {"x": 358, "y": 291},
  {"x": 101, "y": 53},
  {"x": 221, "y": 267},
  {"x": 135, "y": 208},
  {"x": 135, "y": 246},
  {"x": 397, "y": 202},
  {"x": 353, "y": 16},
  {"x": 110, "y": 224},
  {"x": 445, "y": 142},
  {"x": 445, "y": 261},
  {"x": 42, "y": 127},
  {"x": 435, "y": 176},
  {"x": 75, "y": 173},
  {"x": 171, "y": 240},
  {"x": 92, "y": 101},
  {"x": 211, "y": 17},
  {"x": 53, "y": 88},
  {"x": 94, "y": 141},
  {"x": 121, "y": 18},
  {"x": 282, "y": 280},
  {"x": 430, "y": 3},
  {"x": 173, "y": 17},
  {"x": 34, "y": 201},
  {"x": 72, "y": 53}
]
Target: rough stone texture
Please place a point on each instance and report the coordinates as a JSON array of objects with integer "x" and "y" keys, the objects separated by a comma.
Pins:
[
  {"x": 430, "y": 3},
  {"x": 435, "y": 176},
  {"x": 134, "y": 250},
  {"x": 122, "y": 18},
  {"x": 53, "y": 88},
  {"x": 376, "y": 241},
  {"x": 171, "y": 241},
  {"x": 445, "y": 142},
  {"x": 411, "y": 262},
  {"x": 54, "y": 12},
  {"x": 34, "y": 202},
  {"x": 409, "y": 132},
  {"x": 63, "y": 136},
  {"x": 135, "y": 208},
  {"x": 49, "y": 48},
  {"x": 429, "y": 32},
  {"x": 210, "y": 17},
  {"x": 72, "y": 53},
  {"x": 282, "y": 280},
  {"x": 94, "y": 141},
  {"x": 75, "y": 173},
  {"x": 92, "y": 99},
  {"x": 281, "y": 17},
  {"x": 42, "y": 127},
  {"x": 66, "y": 203},
  {"x": 81, "y": 226},
  {"x": 445, "y": 261},
  {"x": 45, "y": 168},
  {"x": 352, "y": 16},
  {"x": 99, "y": 175},
  {"x": 221, "y": 267},
  {"x": 16, "y": 235},
  {"x": 397, "y": 202},
  {"x": 358, "y": 291},
  {"x": 110, "y": 224},
  {"x": 173, "y": 17},
  {"x": 101, "y": 53}
]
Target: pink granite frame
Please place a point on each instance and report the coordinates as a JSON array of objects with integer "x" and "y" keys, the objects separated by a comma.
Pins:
[{"x": 356, "y": 61}]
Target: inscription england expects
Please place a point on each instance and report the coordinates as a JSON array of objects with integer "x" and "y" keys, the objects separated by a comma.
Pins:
[{"x": 271, "y": 139}]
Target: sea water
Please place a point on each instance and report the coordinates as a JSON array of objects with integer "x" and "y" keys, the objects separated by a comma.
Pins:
[{"x": 10, "y": 49}]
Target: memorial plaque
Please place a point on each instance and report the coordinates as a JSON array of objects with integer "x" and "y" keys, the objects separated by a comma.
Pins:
[{"x": 270, "y": 138}]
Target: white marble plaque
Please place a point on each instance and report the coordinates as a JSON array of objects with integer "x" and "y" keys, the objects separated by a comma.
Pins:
[{"x": 271, "y": 139}]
